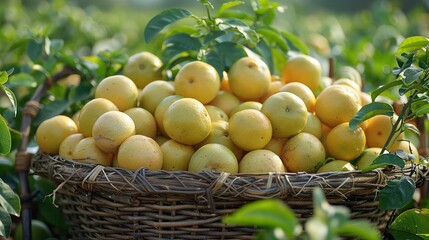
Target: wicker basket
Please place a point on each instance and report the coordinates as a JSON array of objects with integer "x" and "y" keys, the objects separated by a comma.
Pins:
[{"x": 112, "y": 203}]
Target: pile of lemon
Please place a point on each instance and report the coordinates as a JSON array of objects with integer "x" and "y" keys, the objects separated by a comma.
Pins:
[{"x": 246, "y": 121}]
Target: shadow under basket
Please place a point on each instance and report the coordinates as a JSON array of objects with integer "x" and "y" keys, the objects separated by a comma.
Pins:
[{"x": 113, "y": 203}]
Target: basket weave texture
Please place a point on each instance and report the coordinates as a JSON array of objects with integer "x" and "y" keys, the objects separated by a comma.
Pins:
[{"x": 112, "y": 203}]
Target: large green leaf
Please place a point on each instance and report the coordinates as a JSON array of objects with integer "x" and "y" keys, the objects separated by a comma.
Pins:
[
  {"x": 230, "y": 52},
  {"x": 241, "y": 27},
  {"x": 412, "y": 44},
  {"x": 267, "y": 213},
  {"x": 397, "y": 193},
  {"x": 9, "y": 200},
  {"x": 179, "y": 43},
  {"x": 52, "y": 109},
  {"x": 413, "y": 221},
  {"x": 273, "y": 37},
  {"x": 370, "y": 110},
  {"x": 353, "y": 228},
  {"x": 5, "y": 138},
  {"x": 34, "y": 49},
  {"x": 23, "y": 79},
  {"x": 163, "y": 19},
  {"x": 5, "y": 223},
  {"x": 214, "y": 59},
  {"x": 385, "y": 160}
]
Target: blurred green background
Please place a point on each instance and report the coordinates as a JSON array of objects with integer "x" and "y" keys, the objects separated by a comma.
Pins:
[{"x": 363, "y": 34}]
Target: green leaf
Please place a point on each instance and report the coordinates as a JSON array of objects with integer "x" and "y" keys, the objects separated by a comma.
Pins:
[
  {"x": 3, "y": 77},
  {"x": 353, "y": 228},
  {"x": 404, "y": 235},
  {"x": 295, "y": 41},
  {"x": 163, "y": 19},
  {"x": 241, "y": 27},
  {"x": 34, "y": 49},
  {"x": 412, "y": 44},
  {"x": 370, "y": 110},
  {"x": 23, "y": 79},
  {"x": 179, "y": 43},
  {"x": 271, "y": 234},
  {"x": 273, "y": 37},
  {"x": 56, "y": 45},
  {"x": 269, "y": 213},
  {"x": 413, "y": 221},
  {"x": 216, "y": 61},
  {"x": 5, "y": 138},
  {"x": 265, "y": 51},
  {"x": 9, "y": 200},
  {"x": 385, "y": 160},
  {"x": 411, "y": 74},
  {"x": 226, "y": 6},
  {"x": 421, "y": 110},
  {"x": 397, "y": 193},
  {"x": 5, "y": 223},
  {"x": 383, "y": 88},
  {"x": 229, "y": 52},
  {"x": 11, "y": 96},
  {"x": 52, "y": 109}
]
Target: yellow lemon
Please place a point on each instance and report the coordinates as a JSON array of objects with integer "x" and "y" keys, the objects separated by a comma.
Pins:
[
  {"x": 303, "y": 92},
  {"x": 68, "y": 144},
  {"x": 160, "y": 111},
  {"x": 140, "y": 151},
  {"x": 154, "y": 93},
  {"x": 176, "y": 156},
  {"x": 86, "y": 151},
  {"x": 143, "y": 68},
  {"x": 119, "y": 89},
  {"x": 187, "y": 121},
  {"x": 344, "y": 143},
  {"x": 304, "y": 69},
  {"x": 51, "y": 132},
  {"x": 250, "y": 129},
  {"x": 91, "y": 111},
  {"x": 261, "y": 161},
  {"x": 144, "y": 121},
  {"x": 213, "y": 157}
]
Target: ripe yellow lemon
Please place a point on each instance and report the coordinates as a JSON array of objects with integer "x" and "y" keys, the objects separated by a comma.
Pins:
[
  {"x": 198, "y": 80},
  {"x": 216, "y": 114},
  {"x": 303, "y": 92},
  {"x": 144, "y": 121},
  {"x": 261, "y": 161},
  {"x": 287, "y": 113},
  {"x": 225, "y": 101},
  {"x": 347, "y": 82},
  {"x": 51, "y": 132},
  {"x": 219, "y": 134},
  {"x": 276, "y": 145},
  {"x": 336, "y": 166},
  {"x": 154, "y": 93},
  {"x": 247, "y": 105},
  {"x": 111, "y": 129},
  {"x": 140, "y": 151},
  {"x": 250, "y": 129},
  {"x": 213, "y": 157},
  {"x": 367, "y": 157},
  {"x": 378, "y": 129},
  {"x": 273, "y": 88},
  {"x": 303, "y": 153},
  {"x": 176, "y": 156},
  {"x": 68, "y": 144},
  {"x": 187, "y": 121},
  {"x": 160, "y": 111},
  {"x": 344, "y": 143},
  {"x": 304, "y": 69},
  {"x": 143, "y": 68},
  {"x": 120, "y": 90},
  {"x": 91, "y": 111},
  {"x": 337, "y": 104},
  {"x": 313, "y": 126},
  {"x": 86, "y": 151},
  {"x": 249, "y": 78}
]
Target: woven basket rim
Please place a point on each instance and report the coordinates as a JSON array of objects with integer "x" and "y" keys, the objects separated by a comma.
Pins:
[{"x": 143, "y": 181}]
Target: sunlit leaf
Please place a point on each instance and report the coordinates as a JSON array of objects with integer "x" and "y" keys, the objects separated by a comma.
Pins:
[
  {"x": 163, "y": 19},
  {"x": 5, "y": 138},
  {"x": 12, "y": 98},
  {"x": 412, "y": 44},
  {"x": 9, "y": 200},
  {"x": 226, "y": 6},
  {"x": 3, "y": 77},
  {"x": 370, "y": 110},
  {"x": 269, "y": 213},
  {"x": 413, "y": 221},
  {"x": 397, "y": 193},
  {"x": 273, "y": 36},
  {"x": 241, "y": 27}
]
